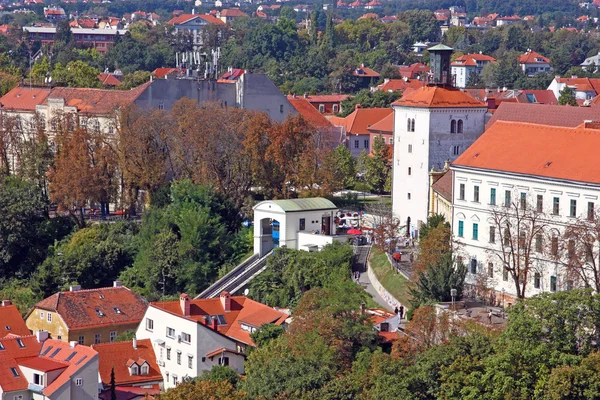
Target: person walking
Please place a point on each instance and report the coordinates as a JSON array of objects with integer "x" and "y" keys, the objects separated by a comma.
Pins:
[
  {"x": 490, "y": 317},
  {"x": 401, "y": 311}
]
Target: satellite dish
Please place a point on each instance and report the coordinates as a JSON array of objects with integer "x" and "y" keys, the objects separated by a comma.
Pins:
[{"x": 246, "y": 291}]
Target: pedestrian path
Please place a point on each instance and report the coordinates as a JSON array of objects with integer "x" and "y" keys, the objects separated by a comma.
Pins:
[{"x": 361, "y": 254}]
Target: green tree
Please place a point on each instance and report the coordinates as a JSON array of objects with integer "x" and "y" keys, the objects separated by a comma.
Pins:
[
  {"x": 266, "y": 333},
  {"x": 433, "y": 221},
  {"x": 76, "y": 74},
  {"x": 113, "y": 390},
  {"x": 566, "y": 97},
  {"x": 343, "y": 167},
  {"x": 377, "y": 165},
  {"x": 435, "y": 283},
  {"x": 125, "y": 337},
  {"x": 221, "y": 373}
]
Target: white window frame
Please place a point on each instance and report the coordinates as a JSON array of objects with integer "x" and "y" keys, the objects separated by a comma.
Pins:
[
  {"x": 113, "y": 335},
  {"x": 78, "y": 381},
  {"x": 49, "y": 317},
  {"x": 184, "y": 336},
  {"x": 149, "y": 324},
  {"x": 170, "y": 332}
]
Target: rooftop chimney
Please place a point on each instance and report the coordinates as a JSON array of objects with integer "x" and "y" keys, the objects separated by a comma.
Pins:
[
  {"x": 356, "y": 107},
  {"x": 134, "y": 343},
  {"x": 184, "y": 303},
  {"x": 226, "y": 301},
  {"x": 117, "y": 284},
  {"x": 72, "y": 344},
  {"x": 74, "y": 288},
  {"x": 6, "y": 303},
  {"x": 41, "y": 336}
]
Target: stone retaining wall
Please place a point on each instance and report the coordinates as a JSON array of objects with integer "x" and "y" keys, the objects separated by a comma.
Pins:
[{"x": 381, "y": 291}]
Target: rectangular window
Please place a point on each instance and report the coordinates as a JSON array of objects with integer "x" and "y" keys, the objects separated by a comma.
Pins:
[
  {"x": 78, "y": 381},
  {"x": 190, "y": 362},
  {"x": 573, "y": 208},
  {"x": 408, "y": 194},
  {"x": 186, "y": 337},
  {"x": 493, "y": 196},
  {"x": 170, "y": 332},
  {"x": 555, "y": 206},
  {"x": 168, "y": 353},
  {"x": 473, "y": 266},
  {"x": 178, "y": 358},
  {"x": 590, "y": 211},
  {"x": 302, "y": 224},
  {"x": 224, "y": 361},
  {"x": 113, "y": 335},
  {"x": 461, "y": 192},
  {"x": 41, "y": 315},
  {"x": 149, "y": 324},
  {"x": 506, "y": 237},
  {"x": 455, "y": 150},
  {"x": 507, "y": 199},
  {"x": 81, "y": 340},
  {"x": 38, "y": 379},
  {"x": 321, "y": 108},
  {"x": 335, "y": 108},
  {"x": 409, "y": 171},
  {"x": 410, "y": 148},
  {"x": 97, "y": 338},
  {"x": 49, "y": 317},
  {"x": 571, "y": 249},
  {"x": 366, "y": 143},
  {"x": 523, "y": 201},
  {"x": 540, "y": 203},
  {"x": 538, "y": 243},
  {"x": 490, "y": 270},
  {"x": 475, "y": 231},
  {"x": 356, "y": 144},
  {"x": 281, "y": 108},
  {"x": 537, "y": 280},
  {"x": 492, "y": 234},
  {"x": 461, "y": 228},
  {"x": 554, "y": 249},
  {"x": 391, "y": 140},
  {"x": 476, "y": 194},
  {"x": 553, "y": 284}
]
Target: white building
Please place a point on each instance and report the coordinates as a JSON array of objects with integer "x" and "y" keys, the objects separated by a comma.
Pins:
[
  {"x": 301, "y": 224},
  {"x": 432, "y": 125},
  {"x": 466, "y": 66},
  {"x": 35, "y": 367},
  {"x": 591, "y": 64},
  {"x": 532, "y": 63},
  {"x": 547, "y": 172},
  {"x": 191, "y": 336},
  {"x": 582, "y": 88}
]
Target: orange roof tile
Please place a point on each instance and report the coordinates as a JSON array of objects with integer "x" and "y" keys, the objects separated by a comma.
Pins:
[
  {"x": 365, "y": 72},
  {"x": 388, "y": 337},
  {"x": 160, "y": 73},
  {"x": 400, "y": 85},
  {"x": 438, "y": 97},
  {"x": 583, "y": 84},
  {"x": 11, "y": 322},
  {"x": 221, "y": 351},
  {"x": 323, "y": 98},
  {"x": 242, "y": 309},
  {"x": 82, "y": 356},
  {"x": 537, "y": 150},
  {"x": 188, "y": 17},
  {"x": 42, "y": 364},
  {"x": 544, "y": 114},
  {"x": 532, "y": 57},
  {"x": 24, "y": 98},
  {"x": 130, "y": 393},
  {"x": 410, "y": 71},
  {"x": 310, "y": 113},
  {"x": 96, "y": 101},
  {"x": 8, "y": 359},
  {"x": 361, "y": 119},
  {"x": 233, "y": 13},
  {"x": 471, "y": 60},
  {"x": 443, "y": 186},
  {"x": 118, "y": 354},
  {"x": 386, "y": 125},
  {"x": 109, "y": 80},
  {"x": 78, "y": 308}
]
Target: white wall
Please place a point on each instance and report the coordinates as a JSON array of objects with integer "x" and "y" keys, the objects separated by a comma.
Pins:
[
  {"x": 352, "y": 142},
  {"x": 471, "y": 212}
]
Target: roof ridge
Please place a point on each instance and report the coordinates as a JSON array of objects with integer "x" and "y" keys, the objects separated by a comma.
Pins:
[{"x": 94, "y": 289}]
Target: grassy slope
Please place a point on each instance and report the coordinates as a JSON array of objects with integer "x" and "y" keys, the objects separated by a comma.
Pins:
[{"x": 394, "y": 283}]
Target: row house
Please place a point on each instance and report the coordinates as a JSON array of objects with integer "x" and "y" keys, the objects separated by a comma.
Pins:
[
  {"x": 192, "y": 336},
  {"x": 89, "y": 316},
  {"x": 35, "y": 367},
  {"x": 515, "y": 190},
  {"x": 100, "y": 39}
]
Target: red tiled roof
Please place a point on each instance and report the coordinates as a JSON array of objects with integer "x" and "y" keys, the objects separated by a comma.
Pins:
[
  {"x": 324, "y": 98},
  {"x": 109, "y": 79},
  {"x": 130, "y": 393},
  {"x": 231, "y": 76},
  {"x": 388, "y": 337},
  {"x": 242, "y": 308},
  {"x": 538, "y": 150},
  {"x": 233, "y": 13},
  {"x": 221, "y": 351},
  {"x": 11, "y": 322},
  {"x": 188, "y": 17},
  {"x": 438, "y": 97},
  {"x": 582, "y": 84},
  {"x": 443, "y": 186},
  {"x": 386, "y": 125},
  {"x": 411, "y": 70},
  {"x": 471, "y": 60},
  {"x": 531, "y": 56},
  {"x": 8, "y": 360},
  {"x": 78, "y": 308},
  {"x": 42, "y": 364},
  {"x": 83, "y": 355},
  {"x": 160, "y": 73},
  {"x": 365, "y": 72},
  {"x": 310, "y": 113},
  {"x": 361, "y": 119},
  {"x": 544, "y": 114},
  {"x": 400, "y": 85},
  {"x": 96, "y": 101},
  {"x": 117, "y": 355},
  {"x": 23, "y": 98},
  {"x": 369, "y": 16}
]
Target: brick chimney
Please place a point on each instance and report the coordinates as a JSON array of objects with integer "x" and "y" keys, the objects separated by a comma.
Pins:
[
  {"x": 6, "y": 303},
  {"x": 134, "y": 343},
  {"x": 184, "y": 303},
  {"x": 226, "y": 301},
  {"x": 357, "y": 106}
]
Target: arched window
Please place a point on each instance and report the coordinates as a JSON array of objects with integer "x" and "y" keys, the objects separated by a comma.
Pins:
[
  {"x": 412, "y": 126},
  {"x": 453, "y": 126},
  {"x": 459, "y": 128}
]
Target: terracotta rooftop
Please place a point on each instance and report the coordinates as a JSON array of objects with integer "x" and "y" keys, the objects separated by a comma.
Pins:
[
  {"x": 111, "y": 306},
  {"x": 470, "y": 60},
  {"x": 42, "y": 364},
  {"x": 11, "y": 322},
  {"x": 538, "y": 150},
  {"x": 160, "y": 73},
  {"x": 411, "y": 70},
  {"x": 443, "y": 186},
  {"x": 231, "y": 76},
  {"x": 96, "y": 101},
  {"x": 544, "y": 114},
  {"x": 400, "y": 85},
  {"x": 361, "y": 119},
  {"x": 365, "y": 72},
  {"x": 183, "y": 18},
  {"x": 323, "y": 98},
  {"x": 533, "y": 57},
  {"x": 310, "y": 113},
  {"x": 233, "y": 13},
  {"x": 130, "y": 393},
  {"x": 24, "y": 98},
  {"x": 241, "y": 309},
  {"x": 386, "y": 125},
  {"x": 8, "y": 359},
  {"x": 438, "y": 97},
  {"x": 582, "y": 84},
  {"x": 109, "y": 79},
  {"x": 76, "y": 358},
  {"x": 117, "y": 355}
]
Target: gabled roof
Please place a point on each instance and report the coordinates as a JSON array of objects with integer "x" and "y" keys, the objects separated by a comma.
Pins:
[
  {"x": 24, "y": 98},
  {"x": 183, "y": 18},
  {"x": 96, "y": 101},
  {"x": 410, "y": 70},
  {"x": 369, "y": 16},
  {"x": 443, "y": 186},
  {"x": 400, "y": 85},
  {"x": 11, "y": 322},
  {"x": 130, "y": 393},
  {"x": 241, "y": 309},
  {"x": 310, "y": 113},
  {"x": 533, "y": 57},
  {"x": 231, "y": 76},
  {"x": 117, "y": 355},
  {"x": 581, "y": 84},
  {"x": 365, "y": 72},
  {"x": 76, "y": 357},
  {"x": 160, "y": 73},
  {"x": 470, "y": 60},
  {"x": 544, "y": 114},
  {"x": 78, "y": 308},
  {"x": 361, "y": 119},
  {"x": 386, "y": 125},
  {"x": 109, "y": 79},
  {"x": 438, "y": 97},
  {"x": 233, "y": 13},
  {"x": 537, "y": 150},
  {"x": 8, "y": 359},
  {"x": 322, "y": 98}
]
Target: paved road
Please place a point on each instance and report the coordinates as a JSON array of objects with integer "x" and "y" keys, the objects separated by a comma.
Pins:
[{"x": 360, "y": 265}]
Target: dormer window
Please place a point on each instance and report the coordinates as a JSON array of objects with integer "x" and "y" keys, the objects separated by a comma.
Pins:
[
  {"x": 20, "y": 343},
  {"x": 144, "y": 369},
  {"x": 117, "y": 310},
  {"x": 7, "y": 327},
  {"x": 99, "y": 313},
  {"x": 14, "y": 372},
  {"x": 133, "y": 369}
]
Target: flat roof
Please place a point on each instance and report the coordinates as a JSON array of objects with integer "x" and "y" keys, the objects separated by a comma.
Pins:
[{"x": 308, "y": 204}]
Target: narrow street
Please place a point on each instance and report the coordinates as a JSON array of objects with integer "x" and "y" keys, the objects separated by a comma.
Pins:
[{"x": 361, "y": 254}]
